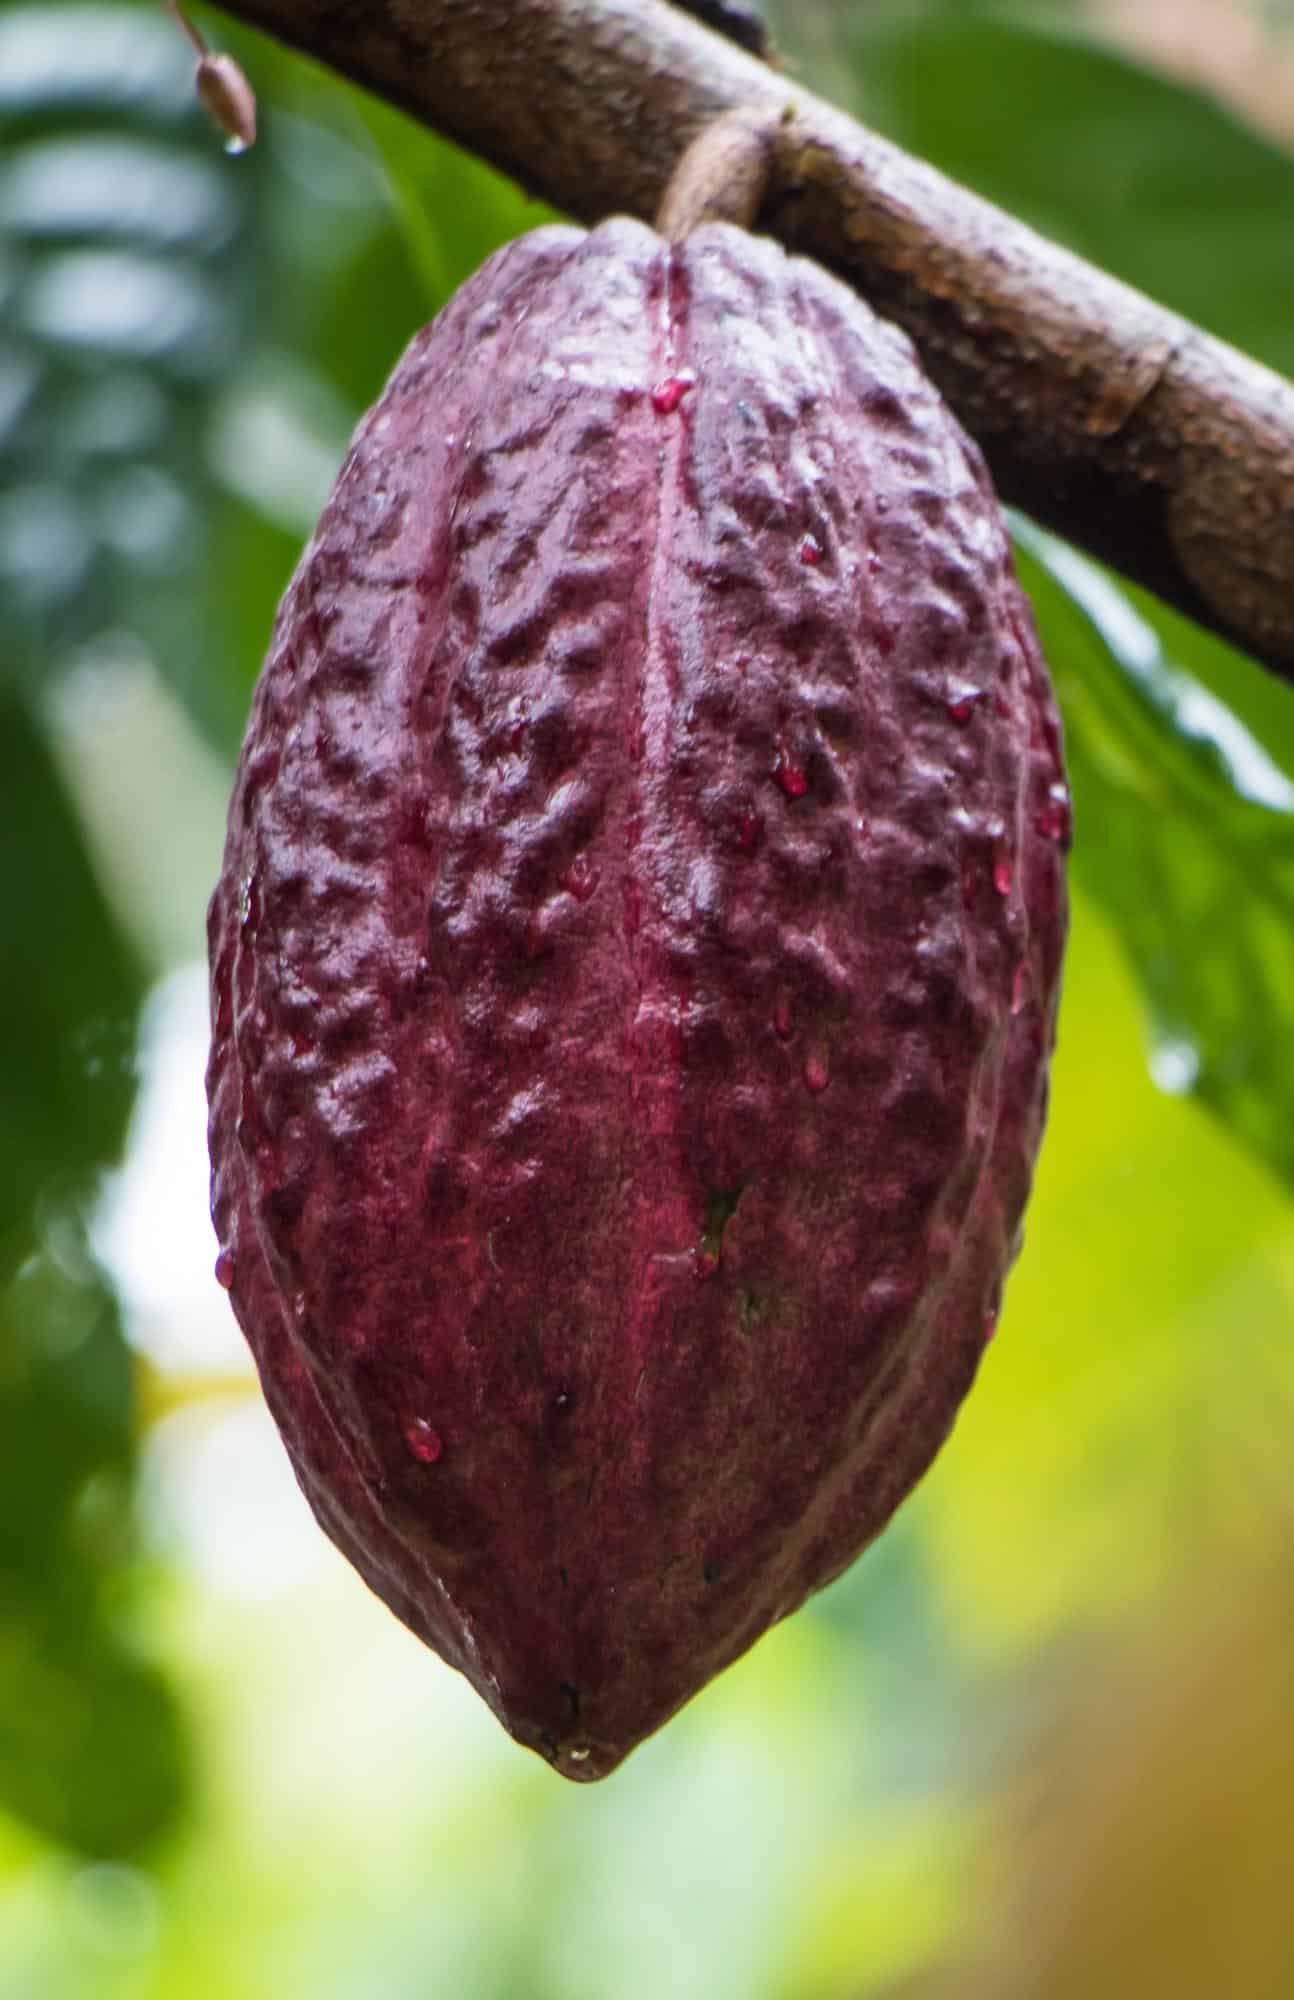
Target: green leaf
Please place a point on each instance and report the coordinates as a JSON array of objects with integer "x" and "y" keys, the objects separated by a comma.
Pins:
[
  {"x": 1184, "y": 834},
  {"x": 90, "y": 1737},
  {"x": 453, "y": 210},
  {"x": 91, "y": 1749},
  {"x": 126, "y": 250},
  {"x": 92, "y": 1743},
  {"x": 69, "y": 993}
]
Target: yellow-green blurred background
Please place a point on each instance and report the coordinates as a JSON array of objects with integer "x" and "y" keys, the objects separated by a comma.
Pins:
[{"x": 1040, "y": 1740}]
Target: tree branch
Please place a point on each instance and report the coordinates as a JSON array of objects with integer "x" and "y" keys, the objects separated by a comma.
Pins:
[{"x": 1133, "y": 433}]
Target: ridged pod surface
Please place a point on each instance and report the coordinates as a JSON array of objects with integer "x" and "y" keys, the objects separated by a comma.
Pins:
[{"x": 634, "y": 967}]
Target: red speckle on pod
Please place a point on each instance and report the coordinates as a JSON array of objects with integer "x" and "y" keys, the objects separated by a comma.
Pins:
[
  {"x": 810, "y": 551},
  {"x": 705, "y": 1263},
  {"x": 782, "y": 1019},
  {"x": 962, "y": 705},
  {"x": 747, "y": 829},
  {"x": 580, "y": 878},
  {"x": 1003, "y": 875},
  {"x": 667, "y": 395},
  {"x": 789, "y": 775},
  {"x": 423, "y": 1440},
  {"x": 1052, "y": 820}
]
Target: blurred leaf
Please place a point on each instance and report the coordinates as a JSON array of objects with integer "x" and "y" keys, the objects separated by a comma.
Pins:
[
  {"x": 69, "y": 991},
  {"x": 886, "y": 1900},
  {"x": 91, "y": 1744},
  {"x": 91, "y": 1749},
  {"x": 452, "y": 208},
  {"x": 127, "y": 252},
  {"x": 90, "y": 1737},
  {"x": 921, "y": 1696},
  {"x": 1185, "y": 836}
]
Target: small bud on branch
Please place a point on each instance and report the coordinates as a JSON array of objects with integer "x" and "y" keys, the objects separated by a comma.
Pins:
[{"x": 221, "y": 87}]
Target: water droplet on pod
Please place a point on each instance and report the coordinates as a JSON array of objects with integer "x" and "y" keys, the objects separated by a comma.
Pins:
[
  {"x": 747, "y": 827},
  {"x": 962, "y": 706},
  {"x": 580, "y": 878},
  {"x": 423, "y": 1440},
  {"x": 816, "y": 1075},
  {"x": 667, "y": 395},
  {"x": 789, "y": 775},
  {"x": 1053, "y": 816}
]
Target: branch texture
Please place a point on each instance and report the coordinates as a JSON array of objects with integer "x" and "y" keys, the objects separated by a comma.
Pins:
[{"x": 1159, "y": 449}]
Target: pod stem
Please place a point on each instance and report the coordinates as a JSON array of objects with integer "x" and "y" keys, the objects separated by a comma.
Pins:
[
  {"x": 726, "y": 174},
  {"x": 194, "y": 36}
]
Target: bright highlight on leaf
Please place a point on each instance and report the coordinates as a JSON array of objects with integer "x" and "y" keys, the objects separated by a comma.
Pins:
[{"x": 1186, "y": 840}]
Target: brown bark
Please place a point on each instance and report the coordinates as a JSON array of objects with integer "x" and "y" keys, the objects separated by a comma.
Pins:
[{"x": 1141, "y": 438}]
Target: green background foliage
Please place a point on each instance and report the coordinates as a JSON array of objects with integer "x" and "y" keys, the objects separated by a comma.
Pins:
[{"x": 224, "y": 1770}]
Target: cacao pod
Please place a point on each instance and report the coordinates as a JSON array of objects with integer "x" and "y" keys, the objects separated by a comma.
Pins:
[{"x": 634, "y": 967}]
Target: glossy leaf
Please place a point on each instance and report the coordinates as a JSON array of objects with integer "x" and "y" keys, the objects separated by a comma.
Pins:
[{"x": 1185, "y": 836}]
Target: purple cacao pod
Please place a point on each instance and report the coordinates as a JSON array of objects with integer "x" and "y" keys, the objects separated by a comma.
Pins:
[{"x": 634, "y": 967}]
